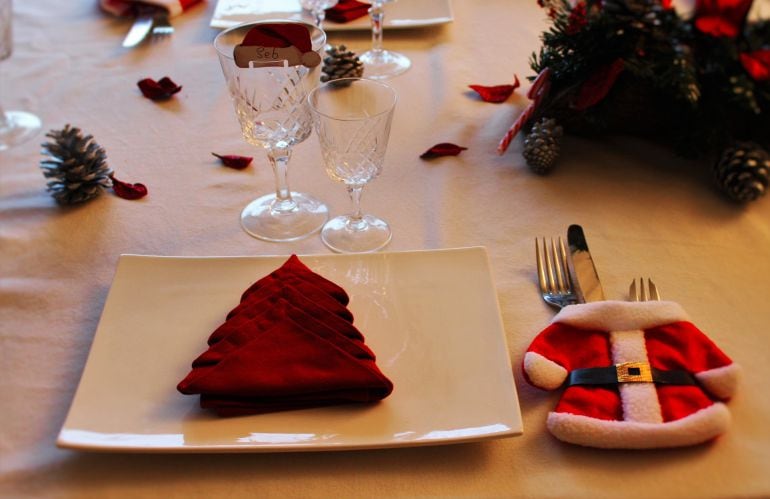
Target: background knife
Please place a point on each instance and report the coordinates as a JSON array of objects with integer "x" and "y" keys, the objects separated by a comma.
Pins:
[
  {"x": 581, "y": 266},
  {"x": 141, "y": 27}
]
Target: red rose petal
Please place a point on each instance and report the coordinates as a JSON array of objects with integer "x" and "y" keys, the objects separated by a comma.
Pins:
[
  {"x": 158, "y": 90},
  {"x": 442, "y": 149},
  {"x": 598, "y": 85},
  {"x": 234, "y": 161},
  {"x": 128, "y": 191},
  {"x": 496, "y": 93}
]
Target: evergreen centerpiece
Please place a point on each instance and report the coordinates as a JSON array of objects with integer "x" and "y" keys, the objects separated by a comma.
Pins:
[{"x": 700, "y": 84}]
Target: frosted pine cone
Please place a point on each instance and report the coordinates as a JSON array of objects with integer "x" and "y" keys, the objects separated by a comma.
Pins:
[
  {"x": 743, "y": 171},
  {"x": 341, "y": 63},
  {"x": 542, "y": 145}
]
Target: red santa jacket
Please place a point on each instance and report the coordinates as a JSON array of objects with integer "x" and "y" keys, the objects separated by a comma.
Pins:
[{"x": 637, "y": 413}]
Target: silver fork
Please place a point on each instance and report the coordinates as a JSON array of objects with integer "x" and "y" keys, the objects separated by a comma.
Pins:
[
  {"x": 555, "y": 284},
  {"x": 161, "y": 26},
  {"x": 642, "y": 293}
]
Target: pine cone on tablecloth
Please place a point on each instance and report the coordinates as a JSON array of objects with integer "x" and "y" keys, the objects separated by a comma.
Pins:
[
  {"x": 542, "y": 145},
  {"x": 76, "y": 165},
  {"x": 341, "y": 63},
  {"x": 743, "y": 171}
]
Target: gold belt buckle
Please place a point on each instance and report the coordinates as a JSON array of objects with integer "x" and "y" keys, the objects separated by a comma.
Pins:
[{"x": 633, "y": 372}]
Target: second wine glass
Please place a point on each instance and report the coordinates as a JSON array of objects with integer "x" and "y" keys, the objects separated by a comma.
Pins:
[{"x": 352, "y": 118}]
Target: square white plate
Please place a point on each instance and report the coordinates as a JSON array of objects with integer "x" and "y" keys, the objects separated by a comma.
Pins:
[
  {"x": 402, "y": 14},
  {"x": 431, "y": 317}
]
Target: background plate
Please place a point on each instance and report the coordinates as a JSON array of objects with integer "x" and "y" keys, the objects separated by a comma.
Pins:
[
  {"x": 431, "y": 317},
  {"x": 401, "y": 14}
]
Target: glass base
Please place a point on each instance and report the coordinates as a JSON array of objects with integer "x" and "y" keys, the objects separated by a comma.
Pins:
[
  {"x": 382, "y": 64},
  {"x": 343, "y": 235},
  {"x": 20, "y": 127},
  {"x": 263, "y": 220}
]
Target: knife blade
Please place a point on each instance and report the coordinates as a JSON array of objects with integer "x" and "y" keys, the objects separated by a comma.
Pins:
[
  {"x": 582, "y": 268},
  {"x": 139, "y": 30}
]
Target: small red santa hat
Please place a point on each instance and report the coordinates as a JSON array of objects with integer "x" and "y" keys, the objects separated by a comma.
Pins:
[{"x": 283, "y": 35}]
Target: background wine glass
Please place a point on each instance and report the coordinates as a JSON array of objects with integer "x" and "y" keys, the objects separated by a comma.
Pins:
[
  {"x": 270, "y": 103},
  {"x": 318, "y": 9},
  {"x": 352, "y": 118},
  {"x": 380, "y": 63},
  {"x": 15, "y": 126}
]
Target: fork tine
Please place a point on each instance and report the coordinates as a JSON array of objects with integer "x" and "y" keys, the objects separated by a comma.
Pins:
[
  {"x": 549, "y": 267},
  {"x": 632, "y": 294},
  {"x": 643, "y": 289},
  {"x": 557, "y": 267},
  {"x": 654, "y": 295},
  {"x": 540, "y": 267}
]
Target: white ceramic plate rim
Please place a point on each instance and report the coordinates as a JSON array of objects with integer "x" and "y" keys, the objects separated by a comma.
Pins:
[{"x": 119, "y": 408}]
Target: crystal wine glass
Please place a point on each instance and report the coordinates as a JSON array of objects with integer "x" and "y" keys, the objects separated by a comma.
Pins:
[
  {"x": 318, "y": 9},
  {"x": 270, "y": 103},
  {"x": 15, "y": 126},
  {"x": 379, "y": 63},
  {"x": 352, "y": 118}
]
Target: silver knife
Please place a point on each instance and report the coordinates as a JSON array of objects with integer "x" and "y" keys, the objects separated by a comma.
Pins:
[
  {"x": 141, "y": 27},
  {"x": 581, "y": 266}
]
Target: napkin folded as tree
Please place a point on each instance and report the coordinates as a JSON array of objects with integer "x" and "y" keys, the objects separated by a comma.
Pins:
[
  {"x": 289, "y": 344},
  {"x": 126, "y": 7},
  {"x": 347, "y": 10}
]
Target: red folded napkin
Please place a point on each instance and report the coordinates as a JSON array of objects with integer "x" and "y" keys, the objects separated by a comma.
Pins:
[
  {"x": 126, "y": 7},
  {"x": 283, "y": 348},
  {"x": 347, "y": 10},
  {"x": 296, "y": 290}
]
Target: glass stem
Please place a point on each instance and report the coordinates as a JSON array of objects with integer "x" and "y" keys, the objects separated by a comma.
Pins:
[
  {"x": 279, "y": 156},
  {"x": 356, "y": 220},
  {"x": 319, "y": 15},
  {"x": 377, "y": 13}
]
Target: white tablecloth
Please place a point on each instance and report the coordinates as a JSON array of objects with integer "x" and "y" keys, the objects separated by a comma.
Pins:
[{"x": 645, "y": 211}]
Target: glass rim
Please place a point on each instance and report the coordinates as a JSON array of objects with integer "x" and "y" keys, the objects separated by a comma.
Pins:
[
  {"x": 326, "y": 84},
  {"x": 229, "y": 55}
]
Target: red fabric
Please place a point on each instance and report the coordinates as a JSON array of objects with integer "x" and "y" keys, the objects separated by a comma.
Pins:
[
  {"x": 679, "y": 345},
  {"x": 347, "y": 10},
  {"x": 282, "y": 349},
  {"x": 757, "y": 64},
  {"x": 598, "y": 85},
  {"x": 721, "y": 17},
  {"x": 126, "y": 7},
  {"x": 279, "y": 35},
  {"x": 294, "y": 268}
]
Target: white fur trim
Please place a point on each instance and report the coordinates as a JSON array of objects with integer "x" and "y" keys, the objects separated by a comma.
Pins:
[
  {"x": 694, "y": 429},
  {"x": 542, "y": 372},
  {"x": 721, "y": 382},
  {"x": 621, "y": 315}
]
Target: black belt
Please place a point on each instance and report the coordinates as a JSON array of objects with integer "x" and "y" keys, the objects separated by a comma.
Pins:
[{"x": 628, "y": 372}]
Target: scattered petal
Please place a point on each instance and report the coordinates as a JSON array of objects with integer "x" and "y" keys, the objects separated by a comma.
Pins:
[
  {"x": 234, "y": 161},
  {"x": 598, "y": 85},
  {"x": 128, "y": 191},
  {"x": 442, "y": 149},
  {"x": 496, "y": 93},
  {"x": 158, "y": 90}
]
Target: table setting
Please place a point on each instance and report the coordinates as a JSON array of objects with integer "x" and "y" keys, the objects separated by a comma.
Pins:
[{"x": 286, "y": 249}]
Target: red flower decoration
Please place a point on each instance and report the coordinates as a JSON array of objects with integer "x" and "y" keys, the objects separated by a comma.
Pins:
[
  {"x": 234, "y": 161},
  {"x": 158, "y": 90},
  {"x": 128, "y": 191},
  {"x": 721, "y": 17},
  {"x": 598, "y": 85},
  {"x": 442, "y": 149},
  {"x": 757, "y": 64},
  {"x": 497, "y": 93}
]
